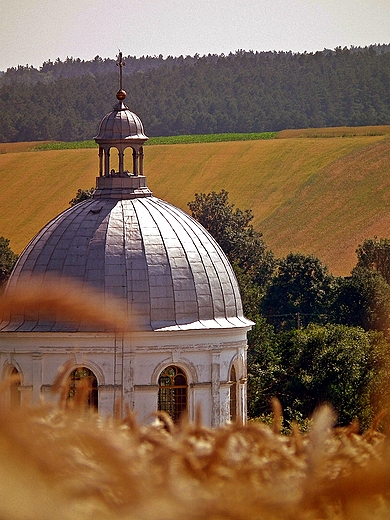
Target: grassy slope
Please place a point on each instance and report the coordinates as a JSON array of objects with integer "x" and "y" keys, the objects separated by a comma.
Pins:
[
  {"x": 337, "y": 208},
  {"x": 315, "y": 195}
]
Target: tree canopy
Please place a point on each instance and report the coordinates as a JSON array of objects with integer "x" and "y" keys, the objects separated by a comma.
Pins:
[
  {"x": 299, "y": 292},
  {"x": 331, "y": 364},
  {"x": 7, "y": 260},
  {"x": 363, "y": 300},
  {"x": 81, "y": 195},
  {"x": 374, "y": 254},
  {"x": 340, "y": 365}
]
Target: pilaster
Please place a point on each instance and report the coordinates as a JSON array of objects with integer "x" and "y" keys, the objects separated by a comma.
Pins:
[
  {"x": 215, "y": 389},
  {"x": 36, "y": 377}
]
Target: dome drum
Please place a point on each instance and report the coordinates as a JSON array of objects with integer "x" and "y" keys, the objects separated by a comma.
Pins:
[{"x": 121, "y": 187}]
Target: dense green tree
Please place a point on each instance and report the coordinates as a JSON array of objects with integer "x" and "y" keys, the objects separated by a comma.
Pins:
[
  {"x": 300, "y": 292},
  {"x": 374, "y": 254},
  {"x": 81, "y": 195},
  {"x": 7, "y": 260},
  {"x": 343, "y": 366},
  {"x": 335, "y": 364},
  {"x": 251, "y": 293},
  {"x": 363, "y": 299},
  {"x": 264, "y": 367}
]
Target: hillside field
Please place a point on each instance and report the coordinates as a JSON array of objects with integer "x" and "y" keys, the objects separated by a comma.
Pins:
[{"x": 313, "y": 194}]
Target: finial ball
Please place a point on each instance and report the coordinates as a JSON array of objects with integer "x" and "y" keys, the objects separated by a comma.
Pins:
[{"x": 121, "y": 94}]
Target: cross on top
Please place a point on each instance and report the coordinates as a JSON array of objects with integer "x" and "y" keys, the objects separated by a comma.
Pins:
[{"x": 121, "y": 63}]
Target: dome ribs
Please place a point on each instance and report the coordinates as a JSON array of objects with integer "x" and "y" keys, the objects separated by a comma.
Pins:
[
  {"x": 215, "y": 281},
  {"x": 162, "y": 307},
  {"x": 176, "y": 246},
  {"x": 138, "y": 291}
]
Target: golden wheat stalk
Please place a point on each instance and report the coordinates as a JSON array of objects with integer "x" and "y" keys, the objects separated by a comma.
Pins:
[
  {"x": 63, "y": 463},
  {"x": 65, "y": 299}
]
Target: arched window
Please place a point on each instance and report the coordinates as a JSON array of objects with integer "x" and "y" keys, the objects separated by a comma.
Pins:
[
  {"x": 233, "y": 394},
  {"x": 83, "y": 387},
  {"x": 14, "y": 388},
  {"x": 172, "y": 392}
]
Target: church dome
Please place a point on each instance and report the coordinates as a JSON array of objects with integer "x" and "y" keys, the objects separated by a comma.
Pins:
[{"x": 160, "y": 262}]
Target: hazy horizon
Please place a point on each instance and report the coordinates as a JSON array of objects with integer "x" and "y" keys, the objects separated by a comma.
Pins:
[{"x": 34, "y": 31}]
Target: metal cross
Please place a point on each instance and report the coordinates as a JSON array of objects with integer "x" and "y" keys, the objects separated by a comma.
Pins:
[{"x": 121, "y": 63}]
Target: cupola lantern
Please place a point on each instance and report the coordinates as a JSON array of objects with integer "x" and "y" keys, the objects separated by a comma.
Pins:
[{"x": 121, "y": 129}]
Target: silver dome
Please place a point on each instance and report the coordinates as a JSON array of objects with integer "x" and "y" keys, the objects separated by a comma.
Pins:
[
  {"x": 158, "y": 260},
  {"x": 121, "y": 124}
]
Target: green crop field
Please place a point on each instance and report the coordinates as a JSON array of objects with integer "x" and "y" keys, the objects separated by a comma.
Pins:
[
  {"x": 172, "y": 139},
  {"x": 309, "y": 192}
]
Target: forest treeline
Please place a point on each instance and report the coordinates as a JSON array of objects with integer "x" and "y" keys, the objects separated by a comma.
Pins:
[{"x": 240, "y": 92}]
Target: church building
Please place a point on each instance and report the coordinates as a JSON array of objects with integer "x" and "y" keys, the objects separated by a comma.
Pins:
[{"x": 187, "y": 343}]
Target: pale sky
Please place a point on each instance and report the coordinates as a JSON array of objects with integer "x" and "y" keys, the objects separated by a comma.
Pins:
[{"x": 34, "y": 31}]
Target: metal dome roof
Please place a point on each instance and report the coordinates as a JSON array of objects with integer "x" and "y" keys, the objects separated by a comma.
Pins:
[
  {"x": 121, "y": 124},
  {"x": 158, "y": 260}
]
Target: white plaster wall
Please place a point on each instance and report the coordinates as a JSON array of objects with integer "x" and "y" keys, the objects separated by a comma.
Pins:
[{"x": 127, "y": 367}]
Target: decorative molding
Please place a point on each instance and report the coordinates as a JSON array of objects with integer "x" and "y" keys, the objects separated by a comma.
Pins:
[
  {"x": 225, "y": 384},
  {"x": 94, "y": 367},
  {"x": 188, "y": 367},
  {"x": 146, "y": 388},
  {"x": 202, "y": 385},
  {"x": 175, "y": 356}
]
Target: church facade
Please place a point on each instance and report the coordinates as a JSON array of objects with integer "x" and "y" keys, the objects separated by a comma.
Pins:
[{"x": 186, "y": 345}]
